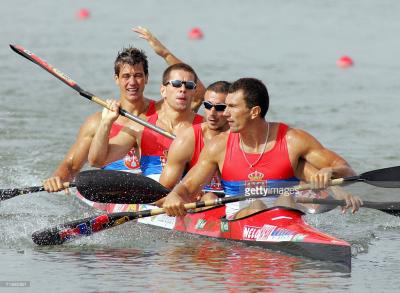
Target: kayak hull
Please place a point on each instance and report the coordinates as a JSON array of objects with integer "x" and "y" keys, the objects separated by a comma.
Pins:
[{"x": 279, "y": 228}]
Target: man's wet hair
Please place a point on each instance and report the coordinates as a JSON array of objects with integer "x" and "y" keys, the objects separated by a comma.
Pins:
[
  {"x": 178, "y": 66},
  {"x": 254, "y": 91},
  {"x": 219, "y": 87},
  {"x": 131, "y": 56}
]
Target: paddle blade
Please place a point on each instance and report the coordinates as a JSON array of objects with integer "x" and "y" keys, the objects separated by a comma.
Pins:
[
  {"x": 391, "y": 208},
  {"x": 387, "y": 177},
  {"x": 84, "y": 227},
  {"x": 109, "y": 186},
  {"x": 71, "y": 230}
]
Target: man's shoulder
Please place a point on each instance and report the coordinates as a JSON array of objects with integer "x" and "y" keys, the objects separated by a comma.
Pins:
[
  {"x": 185, "y": 133},
  {"x": 296, "y": 133},
  {"x": 218, "y": 142},
  {"x": 93, "y": 118},
  {"x": 92, "y": 121},
  {"x": 300, "y": 138}
]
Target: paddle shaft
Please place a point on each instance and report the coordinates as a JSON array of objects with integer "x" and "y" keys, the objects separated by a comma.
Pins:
[
  {"x": 64, "y": 78},
  {"x": 10, "y": 193}
]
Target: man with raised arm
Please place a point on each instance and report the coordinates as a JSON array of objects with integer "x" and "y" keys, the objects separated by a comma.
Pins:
[
  {"x": 177, "y": 91},
  {"x": 131, "y": 76},
  {"x": 256, "y": 153}
]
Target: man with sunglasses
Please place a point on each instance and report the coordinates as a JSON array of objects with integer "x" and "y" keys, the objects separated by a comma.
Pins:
[
  {"x": 131, "y": 76},
  {"x": 185, "y": 149},
  {"x": 257, "y": 154},
  {"x": 177, "y": 91}
]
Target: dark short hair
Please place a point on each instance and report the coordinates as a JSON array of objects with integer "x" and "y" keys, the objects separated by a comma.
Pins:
[
  {"x": 178, "y": 66},
  {"x": 220, "y": 87},
  {"x": 254, "y": 91},
  {"x": 131, "y": 56}
]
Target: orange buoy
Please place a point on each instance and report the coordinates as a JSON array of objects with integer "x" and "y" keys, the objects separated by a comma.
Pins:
[
  {"x": 195, "y": 34},
  {"x": 345, "y": 62},
  {"x": 83, "y": 14}
]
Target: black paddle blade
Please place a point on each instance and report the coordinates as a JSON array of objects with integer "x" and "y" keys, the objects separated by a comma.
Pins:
[
  {"x": 387, "y": 177},
  {"x": 109, "y": 186},
  {"x": 391, "y": 208}
]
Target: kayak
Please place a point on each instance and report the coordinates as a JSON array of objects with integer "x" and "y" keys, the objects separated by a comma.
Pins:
[{"x": 278, "y": 228}]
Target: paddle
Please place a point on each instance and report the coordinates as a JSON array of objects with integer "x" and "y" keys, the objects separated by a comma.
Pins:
[
  {"x": 104, "y": 184},
  {"x": 386, "y": 178},
  {"x": 390, "y": 207},
  {"x": 64, "y": 78},
  {"x": 12, "y": 192},
  {"x": 133, "y": 188},
  {"x": 88, "y": 226},
  {"x": 111, "y": 186}
]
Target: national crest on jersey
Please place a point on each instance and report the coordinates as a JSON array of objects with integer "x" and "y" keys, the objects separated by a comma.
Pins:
[
  {"x": 130, "y": 162},
  {"x": 255, "y": 180}
]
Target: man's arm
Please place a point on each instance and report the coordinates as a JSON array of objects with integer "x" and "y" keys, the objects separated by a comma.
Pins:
[
  {"x": 171, "y": 59},
  {"x": 196, "y": 178},
  {"x": 302, "y": 145},
  {"x": 76, "y": 156},
  {"x": 318, "y": 165},
  {"x": 102, "y": 150},
  {"x": 179, "y": 155}
]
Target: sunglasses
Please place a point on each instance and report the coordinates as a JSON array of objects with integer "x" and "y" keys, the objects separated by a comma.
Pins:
[
  {"x": 190, "y": 85},
  {"x": 218, "y": 107}
]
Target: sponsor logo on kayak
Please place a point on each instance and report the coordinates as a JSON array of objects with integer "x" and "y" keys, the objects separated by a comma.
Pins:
[
  {"x": 268, "y": 233},
  {"x": 250, "y": 232},
  {"x": 273, "y": 233},
  {"x": 224, "y": 226},
  {"x": 298, "y": 238},
  {"x": 200, "y": 224}
]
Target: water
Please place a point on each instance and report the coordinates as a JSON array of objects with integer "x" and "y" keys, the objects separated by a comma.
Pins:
[{"x": 291, "y": 45}]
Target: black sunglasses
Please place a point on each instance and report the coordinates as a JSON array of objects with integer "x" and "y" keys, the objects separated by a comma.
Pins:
[
  {"x": 190, "y": 85},
  {"x": 218, "y": 107}
]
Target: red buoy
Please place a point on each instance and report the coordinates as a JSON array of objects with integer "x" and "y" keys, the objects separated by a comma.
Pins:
[
  {"x": 345, "y": 62},
  {"x": 83, "y": 14},
  {"x": 195, "y": 34}
]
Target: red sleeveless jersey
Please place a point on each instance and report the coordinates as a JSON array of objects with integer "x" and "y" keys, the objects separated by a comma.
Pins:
[
  {"x": 274, "y": 170},
  {"x": 154, "y": 147},
  {"x": 130, "y": 162}
]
